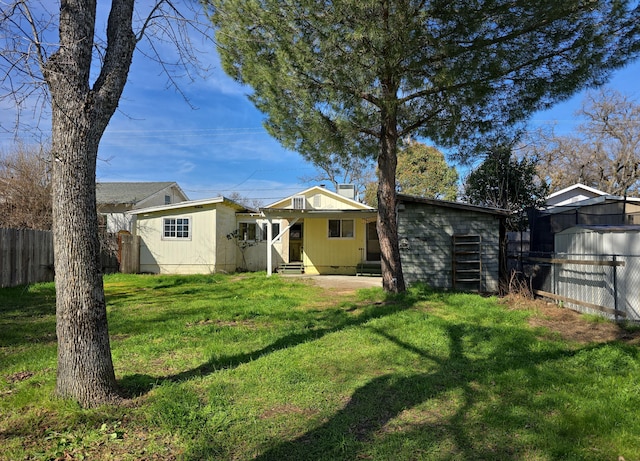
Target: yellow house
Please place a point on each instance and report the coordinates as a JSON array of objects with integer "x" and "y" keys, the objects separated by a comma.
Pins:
[
  {"x": 315, "y": 231},
  {"x": 322, "y": 232}
]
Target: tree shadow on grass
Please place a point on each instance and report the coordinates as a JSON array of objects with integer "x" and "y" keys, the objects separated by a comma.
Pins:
[
  {"x": 27, "y": 315},
  {"x": 140, "y": 384},
  {"x": 355, "y": 430}
]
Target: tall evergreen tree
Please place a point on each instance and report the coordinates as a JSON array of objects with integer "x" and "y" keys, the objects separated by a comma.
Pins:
[
  {"x": 504, "y": 181},
  {"x": 362, "y": 74},
  {"x": 423, "y": 171}
]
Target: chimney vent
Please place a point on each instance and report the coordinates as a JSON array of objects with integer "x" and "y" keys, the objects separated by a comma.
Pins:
[{"x": 347, "y": 190}]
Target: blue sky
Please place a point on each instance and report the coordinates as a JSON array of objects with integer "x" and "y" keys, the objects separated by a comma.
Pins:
[
  {"x": 213, "y": 145},
  {"x": 220, "y": 147}
]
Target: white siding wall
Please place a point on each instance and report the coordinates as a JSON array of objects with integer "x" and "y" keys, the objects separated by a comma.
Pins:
[
  {"x": 225, "y": 248},
  {"x": 176, "y": 256},
  {"x": 117, "y": 222},
  {"x": 255, "y": 256}
]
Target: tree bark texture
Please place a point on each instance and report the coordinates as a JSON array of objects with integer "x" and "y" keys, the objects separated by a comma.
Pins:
[
  {"x": 80, "y": 115},
  {"x": 387, "y": 224}
]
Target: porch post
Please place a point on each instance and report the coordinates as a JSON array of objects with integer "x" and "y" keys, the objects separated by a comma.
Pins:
[{"x": 269, "y": 246}]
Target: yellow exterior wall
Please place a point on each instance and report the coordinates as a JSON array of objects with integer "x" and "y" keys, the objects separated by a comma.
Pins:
[{"x": 323, "y": 255}]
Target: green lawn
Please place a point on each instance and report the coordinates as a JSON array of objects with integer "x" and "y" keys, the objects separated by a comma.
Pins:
[{"x": 228, "y": 367}]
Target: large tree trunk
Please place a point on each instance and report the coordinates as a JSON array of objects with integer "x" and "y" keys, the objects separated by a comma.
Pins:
[
  {"x": 80, "y": 115},
  {"x": 85, "y": 368},
  {"x": 387, "y": 225}
]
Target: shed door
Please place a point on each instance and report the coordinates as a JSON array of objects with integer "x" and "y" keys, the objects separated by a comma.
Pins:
[{"x": 467, "y": 262}]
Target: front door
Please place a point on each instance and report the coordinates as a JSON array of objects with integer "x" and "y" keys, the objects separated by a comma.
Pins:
[
  {"x": 295, "y": 243},
  {"x": 373, "y": 243}
]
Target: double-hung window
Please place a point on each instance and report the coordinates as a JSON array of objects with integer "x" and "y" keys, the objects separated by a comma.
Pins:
[
  {"x": 275, "y": 230},
  {"x": 176, "y": 228},
  {"x": 247, "y": 231},
  {"x": 341, "y": 228}
]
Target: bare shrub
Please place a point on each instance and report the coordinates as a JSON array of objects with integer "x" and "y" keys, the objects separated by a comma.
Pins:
[{"x": 25, "y": 188}]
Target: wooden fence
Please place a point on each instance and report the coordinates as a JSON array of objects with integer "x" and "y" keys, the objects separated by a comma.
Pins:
[{"x": 26, "y": 256}]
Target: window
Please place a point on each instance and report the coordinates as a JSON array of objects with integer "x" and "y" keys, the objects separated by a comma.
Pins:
[
  {"x": 341, "y": 228},
  {"x": 103, "y": 219},
  {"x": 247, "y": 231},
  {"x": 295, "y": 232},
  {"x": 167, "y": 200},
  {"x": 275, "y": 230},
  {"x": 176, "y": 228}
]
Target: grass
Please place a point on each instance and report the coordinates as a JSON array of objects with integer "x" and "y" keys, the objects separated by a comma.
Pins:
[{"x": 227, "y": 367}]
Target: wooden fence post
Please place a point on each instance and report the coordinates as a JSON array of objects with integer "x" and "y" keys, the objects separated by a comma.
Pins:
[{"x": 129, "y": 251}]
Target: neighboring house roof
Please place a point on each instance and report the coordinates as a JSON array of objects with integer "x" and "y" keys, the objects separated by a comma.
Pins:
[
  {"x": 190, "y": 204},
  {"x": 573, "y": 194},
  {"x": 131, "y": 193},
  {"x": 453, "y": 205},
  {"x": 602, "y": 199}
]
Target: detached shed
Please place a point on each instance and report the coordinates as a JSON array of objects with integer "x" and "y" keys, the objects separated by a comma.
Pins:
[
  {"x": 451, "y": 245},
  {"x": 611, "y": 283}
]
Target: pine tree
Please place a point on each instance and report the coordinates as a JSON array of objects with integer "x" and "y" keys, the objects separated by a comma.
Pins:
[{"x": 360, "y": 75}]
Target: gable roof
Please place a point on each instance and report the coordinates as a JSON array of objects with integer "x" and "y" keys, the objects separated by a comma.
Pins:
[
  {"x": 599, "y": 200},
  {"x": 190, "y": 204},
  {"x": 350, "y": 204},
  {"x": 577, "y": 187},
  {"x": 130, "y": 193},
  {"x": 573, "y": 194}
]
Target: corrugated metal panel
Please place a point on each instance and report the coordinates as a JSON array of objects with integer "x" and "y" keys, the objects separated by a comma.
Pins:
[
  {"x": 599, "y": 240},
  {"x": 613, "y": 287}
]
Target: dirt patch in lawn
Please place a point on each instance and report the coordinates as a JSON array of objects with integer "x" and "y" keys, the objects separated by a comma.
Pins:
[
  {"x": 572, "y": 325},
  {"x": 341, "y": 284}
]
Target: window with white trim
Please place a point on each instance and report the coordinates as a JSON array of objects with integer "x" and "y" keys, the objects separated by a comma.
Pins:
[
  {"x": 341, "y": 228},
  {"x": 176, "y": 228},
  {"x": 248, "y": 231}
]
